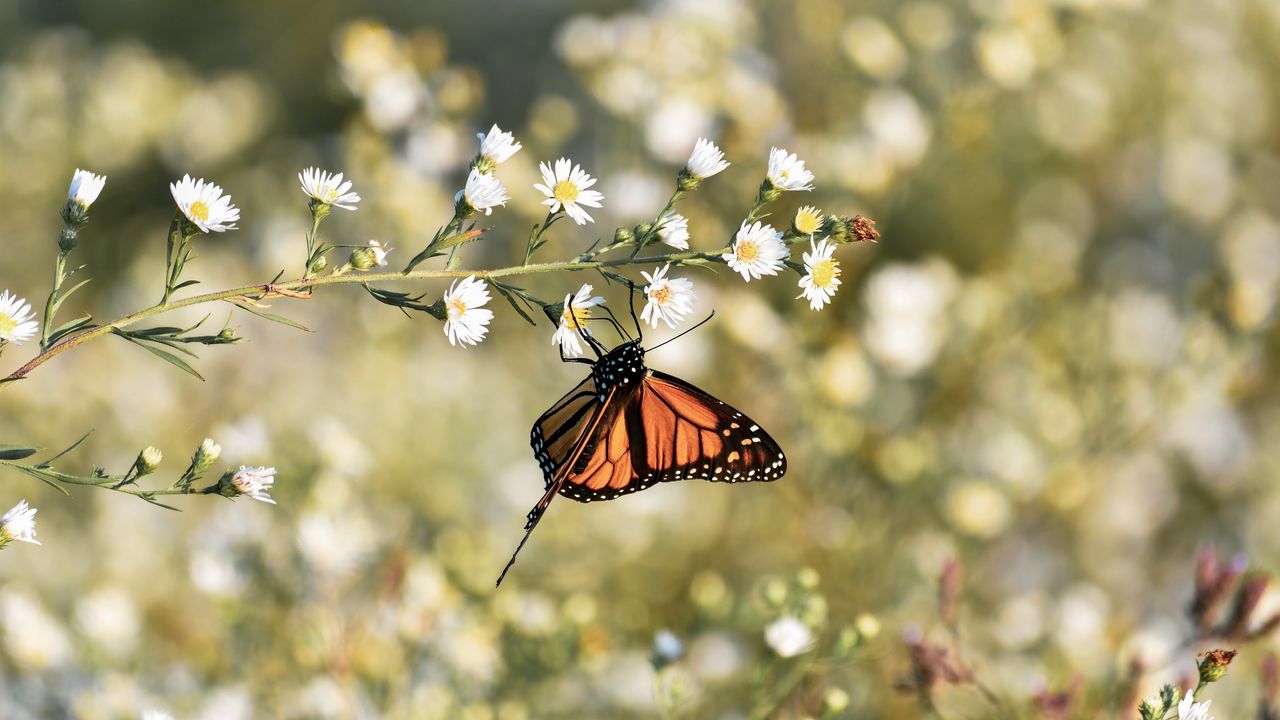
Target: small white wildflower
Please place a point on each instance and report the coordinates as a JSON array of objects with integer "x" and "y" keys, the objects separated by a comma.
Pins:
[
  {"x": 19, "y": 524},
  {"x": 17, "y": 323},
  {"x": 808, "y": 220},
  {"x": 85, "y": 187},
  {"x": 328, "y": 188},
  {"x": 255, "y": 482},
  {"x": 380, "y": 251},
  {"x": 822, "y": 274},
  {"x": 758, "y": 250},
  {"x": 788, "y": 637},
  {"x": 673, "y": 229},
  {"x": 1189, "y": 709},
  {"x": 155, "y": 714},
  {"x": 467, "y": 320},
  {"x": 204, "y": 204},
  {"x": 669, "y": 299},
  {"x": 705, "y": 160},
  {"x": 573, "y": 320},
  {"x": 565, "y": 186},
  {"x": 484, "y": 192},
  {"x": 497, "y": 146},
  {"x": 787, "y": 172}
]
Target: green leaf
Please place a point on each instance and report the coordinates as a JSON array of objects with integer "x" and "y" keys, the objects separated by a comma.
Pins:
[
  {"x": 273, "y": 317},
  {"x": 168, "y": 357},
  {"x": 83, "y": 322},
  {"x": 15, "y": 452}
]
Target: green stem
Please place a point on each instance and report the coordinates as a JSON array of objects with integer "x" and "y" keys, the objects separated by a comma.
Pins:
[
  {"x": 59, "y": 275},
  {"x": 301, "y": 287},
  {"x": 646, "y": 237},
  {"x": 316, "y": 218},
  {"x": 535, "y": 236}
]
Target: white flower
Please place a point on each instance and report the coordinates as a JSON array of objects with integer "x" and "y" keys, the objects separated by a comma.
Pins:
[
  {"x": 566, "y": 187},
  {"x": 16, "y": 319},
  {"x": 1189, "y": 709},
  {"x": 328, "y": 188},
  {"x": 156, "y": 715},
  {"x": 670, "y": 299},
  {"x": 757, "y": 251},
  {"x": 787, "y": 172},
  {"x": 255, "y": 482},
  {"x": 822, "y": 274},
  {"x": 19, "y": 524},
  {"x": 380, "y": 251},
  {"x": 464, "y": 302},
  {"x": 673, "y": 229},
  {"x": 85, "y": 187},
  {"x": 574, "y": 321},
  {"x": 808, "y": 220},
  {"x": 788, "y": 637},
  {"x": 497, "y": 146},
  {"x": 705, "y": 160},
  {"x": 204, "y": 204},
  {"x": 484, "y": 192}
]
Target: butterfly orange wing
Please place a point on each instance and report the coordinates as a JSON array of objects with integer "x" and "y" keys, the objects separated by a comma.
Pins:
[{"x": 667, "y": 429}]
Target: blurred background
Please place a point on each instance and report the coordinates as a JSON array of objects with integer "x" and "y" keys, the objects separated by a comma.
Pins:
[{"x": 1057, "y": 365}]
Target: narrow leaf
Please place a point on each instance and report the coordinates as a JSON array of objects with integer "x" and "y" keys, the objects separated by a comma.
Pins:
[
  {"x": 15, "y": 452},
  {"x": 273, "y": 317}
]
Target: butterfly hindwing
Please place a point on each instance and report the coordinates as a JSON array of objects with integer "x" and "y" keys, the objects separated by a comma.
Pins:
[{"x": 667, "y": 430}]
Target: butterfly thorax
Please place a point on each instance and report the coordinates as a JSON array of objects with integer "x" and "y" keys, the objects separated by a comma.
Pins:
[{"x": 622, "y": 368}]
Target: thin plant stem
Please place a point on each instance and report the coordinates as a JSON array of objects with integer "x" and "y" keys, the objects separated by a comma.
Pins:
[{"x": 59, "y": 275}]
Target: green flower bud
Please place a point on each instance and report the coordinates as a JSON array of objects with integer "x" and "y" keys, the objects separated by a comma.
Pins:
[
  {"x": 147, "y": 462},
  {"x": 362, "y": 259},
  {"x": 808, "y": 578},
  {"x": 319, "y": 264},
  {"x": 206, "y": 455},
  {"x": 622, "y": 235},
  {"x": 68, "y": 238},
  {"x": 775, "y": 592}
]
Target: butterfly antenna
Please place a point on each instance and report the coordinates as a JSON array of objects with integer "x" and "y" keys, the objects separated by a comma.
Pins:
[
  {"x": 686, "y": 332},
  {"x": 613, "y": 320},
  {"x": 631, "y": 296}
]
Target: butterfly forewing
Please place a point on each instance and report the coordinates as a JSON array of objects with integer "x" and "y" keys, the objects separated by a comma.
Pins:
[{"x": 556, "y": 432}]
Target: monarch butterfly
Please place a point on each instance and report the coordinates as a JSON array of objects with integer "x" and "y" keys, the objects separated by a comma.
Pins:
[{"x": 626, "y": 427}]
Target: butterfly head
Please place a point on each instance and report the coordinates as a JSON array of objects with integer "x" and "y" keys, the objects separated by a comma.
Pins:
[{"x": 622, "y": 367}]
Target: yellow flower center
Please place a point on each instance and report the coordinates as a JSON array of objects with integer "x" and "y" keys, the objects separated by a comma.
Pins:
[
  {"x": 661, "y": 295},
  {"x": 824, "y": 272},
  {"x": 746, "y": 250},
  {"x": 7, "y": 325},
  {"x": 808, "y": 220},
  {"x": 456, "y": 308},
  {"x": 565, "y": 191},
  {"x": 578, "y": 320},
  {"x": 199, "y": 211}
]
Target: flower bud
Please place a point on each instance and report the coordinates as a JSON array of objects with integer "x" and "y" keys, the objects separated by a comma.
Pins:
[
  {"x": 319, "y": 264},
  {"x": 808, "y": 578},
  {"x": 775, "y": 592},
  {"x": 868, "y": 626},
  {"x": 623, "y": 235},
  {"x": 1214, "y": 665},
  {"x": 362, "y": 259},
  {"x": 68, "y": 238},
  {"x": 148, "y": 460},
  {"x": 227, "y": 335},
  {"x": 206, "y": 455},
  {"x": 835, "y": 700}
]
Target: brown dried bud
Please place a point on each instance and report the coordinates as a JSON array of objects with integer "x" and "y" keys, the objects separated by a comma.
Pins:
[
  {"x": 1214, "y": 665},
  {"x": 863, "y": 229}
]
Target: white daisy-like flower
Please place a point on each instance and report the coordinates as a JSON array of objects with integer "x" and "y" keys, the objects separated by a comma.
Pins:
[
  {"x": 380, "y": 252},
  {"x": 565, "y": 186},
  {"x": 204, "y": 204},
  {"x": 573, "y": 320},
  {"x": 19, "y": 524},
  {"x": 808, "y": 220},
  {"x": 705, "y": 160},
  {"x": 669, "y": 299},
  {"x": 758, "y": 250},
  {"x": 467, "y": 320},
  {"x": 787, "y": 172},
  {"x": 788, "y": 637},
  {"x": 822, "y": 274},
  {"x": 17, "y": 323},
  {"x": 484, "y": 192},
  {"x": 673, "y": 229},
  {"x": 255, "y": 482},
  {"x": 85, "y": 187},
  {"x": 497, "y": 146},
  {"x": 1189, "y": 709},
  {"x": 328, "y": 188}
]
